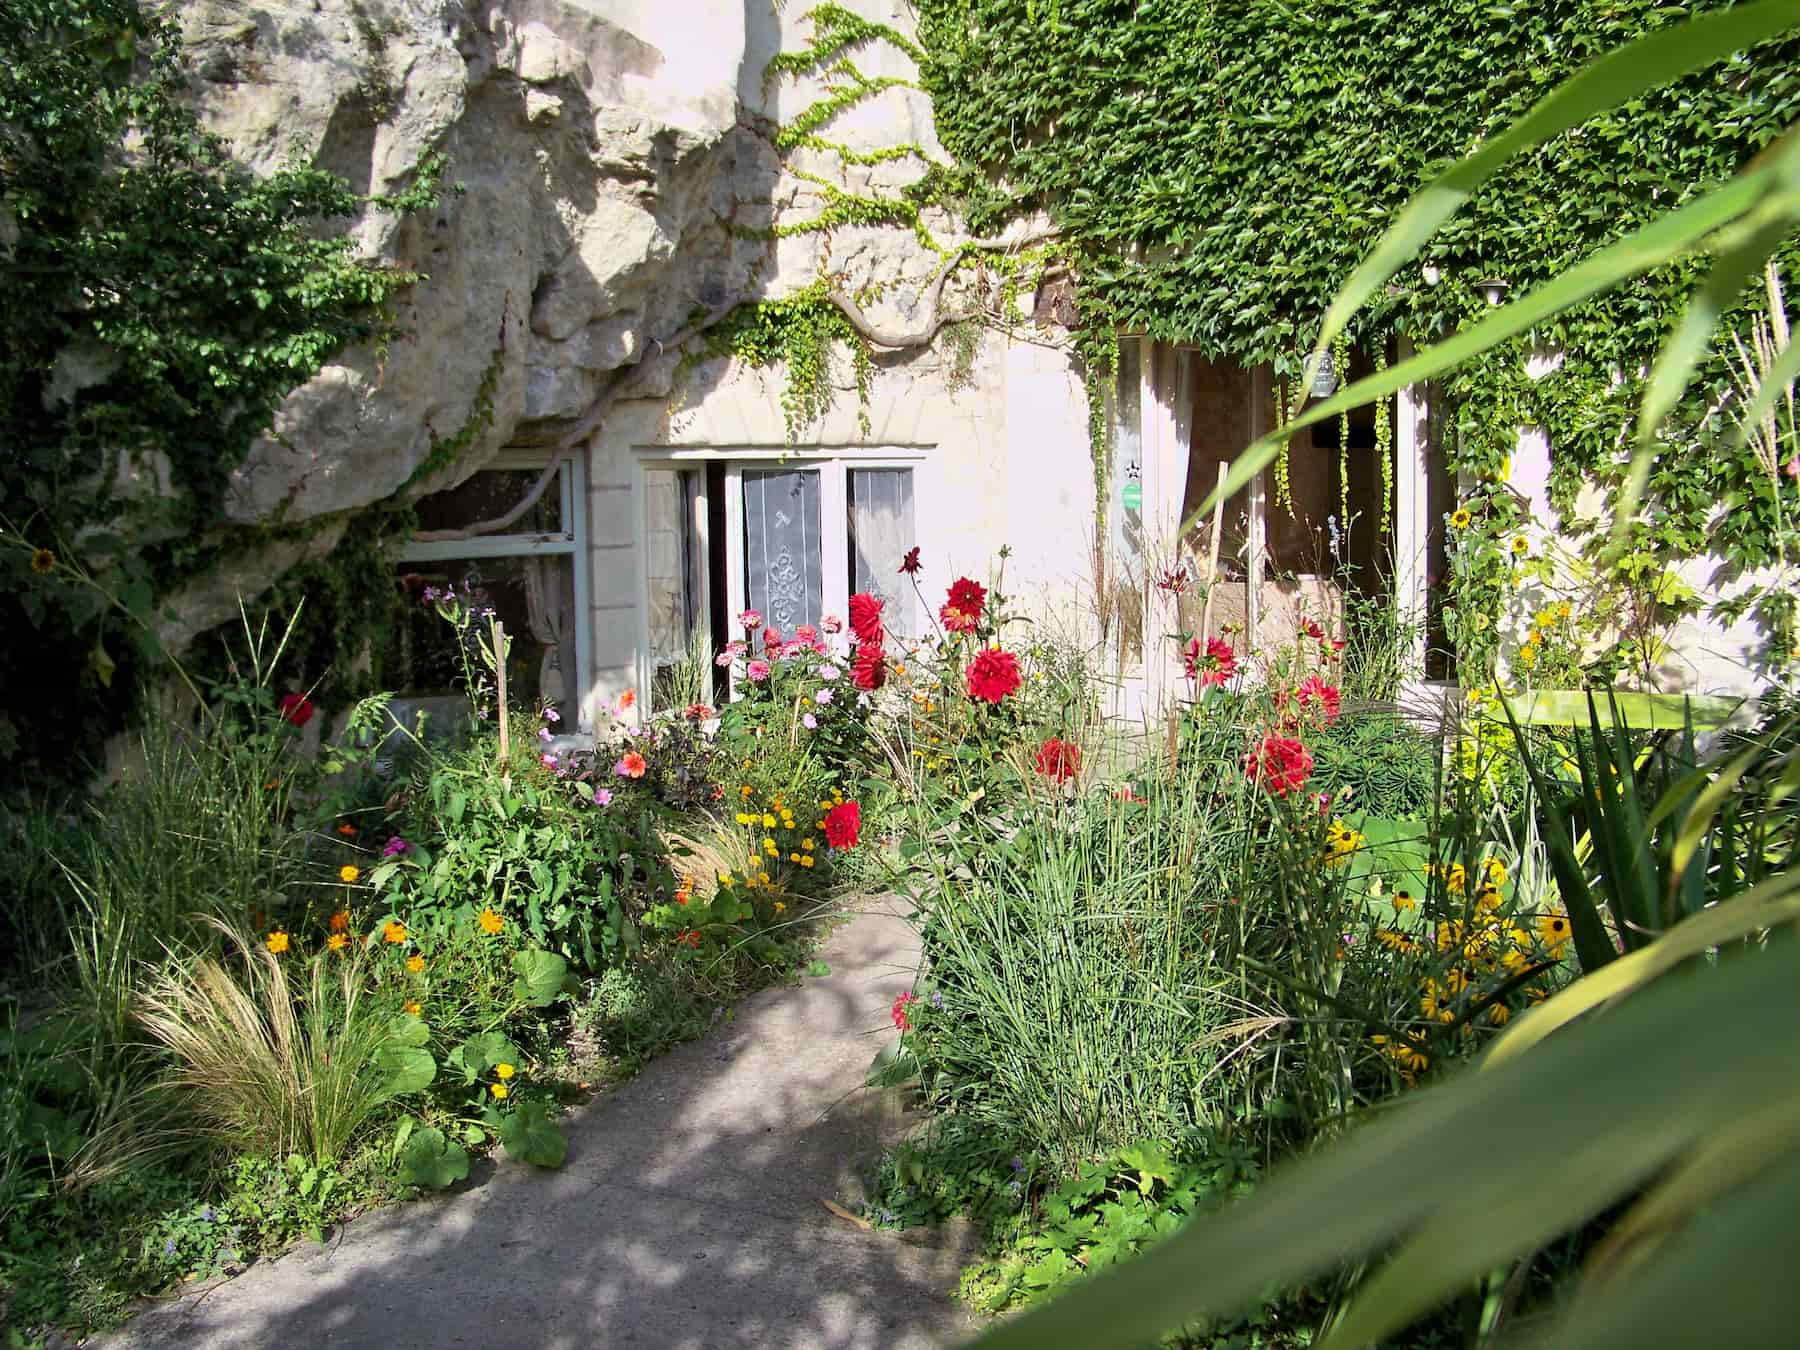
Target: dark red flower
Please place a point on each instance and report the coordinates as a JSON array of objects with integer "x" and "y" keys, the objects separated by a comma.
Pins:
[
  {"x": 909, "y": 565},
  {"x": 865, "y": 618},
  {"x": 1312, "y": 630},
  {"x": 1059, "y": 759},
  {"x": 993, "y": 675},
  {"x": 698, "y": 712},
  {"x": 1280, "y": 764},
  {"x": 962, "y": 610},
  {"x": 771, "y": 639},
  {"x": 296, "y": 709},
  {"x": 843, "y": 825},
  {"x": 868, "y": 669}
]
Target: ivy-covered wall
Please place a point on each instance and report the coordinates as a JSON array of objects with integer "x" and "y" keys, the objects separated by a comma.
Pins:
[{"x": 1217, "y": 169}]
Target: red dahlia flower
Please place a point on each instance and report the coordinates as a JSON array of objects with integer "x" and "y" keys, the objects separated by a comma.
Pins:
[
  {"x": 993, "y": 675},
  {"x": 901, "y": 1020},
  {"x": 771, "y": 640},
  {"x": 1316, "y": 694},
  {"x": 1059, "y": 759},
  {"x": 865, "y": 618},
  {"x": 962, "y": 609},
  {"x": 868, "y": 670},
  {"x": 1280, "y": 764},
  {"x": 296, "y": 709},
  {"x": 1215, "y": 666},
  {"x": 843, "y": 825},
  {"x": 909, "y": 565}
]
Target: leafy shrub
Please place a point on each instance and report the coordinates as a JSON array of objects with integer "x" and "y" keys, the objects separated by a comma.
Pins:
[
  {"x": 640, "y": 1010},
  {"x": 1376, "y": 762}
]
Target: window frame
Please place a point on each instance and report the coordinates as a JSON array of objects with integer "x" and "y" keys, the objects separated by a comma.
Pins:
[
  {"x": 834, "y": 465},
  {"x": 571, "y": 540}
]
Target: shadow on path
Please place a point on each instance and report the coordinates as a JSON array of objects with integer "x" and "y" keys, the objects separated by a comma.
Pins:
[{"x": 689, "y": 1213}]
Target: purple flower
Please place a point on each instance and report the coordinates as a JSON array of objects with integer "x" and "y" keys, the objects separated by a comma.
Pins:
[
  {"x": 549, "y": 761},
  {"x": 822, "y": 697},
  {"x": 810, "y": 722},
  {"x": 395, "y": 847},
  {"x": 829, "y": 672},
  {"x": 602, "y": 796},
  {"x": 551, "y": 715},
  {"x": 543, "y": 733}
]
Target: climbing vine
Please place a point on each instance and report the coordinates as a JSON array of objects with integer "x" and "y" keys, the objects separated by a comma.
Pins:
[
  {"x": 155, "y": 308},
  {"x": 1216, "y": 171}
]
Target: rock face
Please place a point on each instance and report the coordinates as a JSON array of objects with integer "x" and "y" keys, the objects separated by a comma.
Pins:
[{"x": 594, "y": 162}]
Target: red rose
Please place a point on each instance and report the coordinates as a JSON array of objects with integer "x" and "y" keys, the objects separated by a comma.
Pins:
[
  {"x": 868, "y": 670},
  {"x": 296, "y": 709},
  {"x": 1059, "y": 759},
  {"x": 865, "y": 617},
  {"x": 962, "y": 610},
  {"x": 993, "y": 675},
  {"x": 1280, "y": 764},
  {"x": 909, "y": 565},
  {"x": 843, "y": 825}
]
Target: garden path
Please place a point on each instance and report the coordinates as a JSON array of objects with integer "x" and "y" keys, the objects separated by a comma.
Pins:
[{"x": 689, "y": 1213}]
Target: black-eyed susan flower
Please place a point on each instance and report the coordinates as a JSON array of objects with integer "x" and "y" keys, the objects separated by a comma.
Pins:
[{"x": 1554, "y": 930}]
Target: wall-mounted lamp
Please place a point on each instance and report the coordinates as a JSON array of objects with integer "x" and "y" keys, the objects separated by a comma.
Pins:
[
  {"x": 1325, "y": 378},
  {"x": 1495, "y": 289}
]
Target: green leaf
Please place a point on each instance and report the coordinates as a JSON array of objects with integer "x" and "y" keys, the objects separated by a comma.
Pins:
[
  {"x": 540, "y": 976},
  {"x": 529, "y": 1136},
  {"x": 429, "y": 1159},
  {"x": 407, "y": 1069},
  {"x": 478, "y": 1054}
]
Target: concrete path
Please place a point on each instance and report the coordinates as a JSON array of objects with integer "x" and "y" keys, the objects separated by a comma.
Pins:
[{"x": 688, "y": 1214}]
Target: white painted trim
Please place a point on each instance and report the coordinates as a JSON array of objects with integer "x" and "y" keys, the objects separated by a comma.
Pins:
[
  {"x": 1412, "y": 511},
  {"x": 834, "y": 529},
  {"x": 575, "y": 512}
]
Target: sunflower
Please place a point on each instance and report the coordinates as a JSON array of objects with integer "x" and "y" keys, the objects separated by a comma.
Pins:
[
  {"x": 1520, "y": 546},
  {"x": 1460, "y": 519},
  {"x": 43, "y": 561}
]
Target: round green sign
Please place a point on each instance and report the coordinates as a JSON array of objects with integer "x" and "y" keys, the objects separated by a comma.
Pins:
[{"x": 1131, "y": 496}]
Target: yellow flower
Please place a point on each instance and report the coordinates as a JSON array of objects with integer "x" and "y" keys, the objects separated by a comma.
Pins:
[
  {"x": 415, "y": 963},
  {"x": 1403, "y": 901},
  {"x": 43, "y": 561},
  {"x": 806, "y": 860},
  {"x": 768, "y": 821},
  {"x": 724, "y": 878},
  {"x": 276, "y": 942},
  {"x": 1460, "y": 519},
  {"x": 393, "y": 931},
  {"x": 1520, "y": 546},
  {"x": 1496, "y": 871},
  {"x": 499, "y": 1090},
  {"x": 1528, "y": 656},
  {"x": 504, "y": 1071},
  {"x": 1564, "y": 610},
  {"x": 340, "y": 921},
  {"x": 780, "y": 905},
  {"x": 745, "y": 818},
  {"x": 1499, "y": 1014},
  {"x": 1533, "y": 637},
  {"x": 412, "y": 1006},
  {"x": 348, "y": 873},
  {"x": 490, "y": 922},
  {"x": 744, "y": 791},
  {"x": 793, "y": 857},
  {"x": 337, "y": 942},
  {"x": 1554, "y": 930},
  {"x": 807, "y": 844}
]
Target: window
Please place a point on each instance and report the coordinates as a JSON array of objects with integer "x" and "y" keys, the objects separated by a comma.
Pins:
[
  {"x": 791, "y": 537},
  {"x": 511, "y": 537}
]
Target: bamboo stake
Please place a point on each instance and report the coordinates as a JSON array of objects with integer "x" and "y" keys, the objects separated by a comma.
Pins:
[
  {"x": 1212, "y": 564},
  {"x": 500, "y": 686}
]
